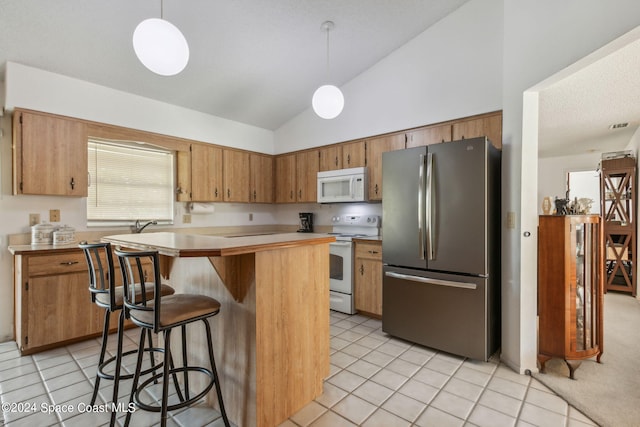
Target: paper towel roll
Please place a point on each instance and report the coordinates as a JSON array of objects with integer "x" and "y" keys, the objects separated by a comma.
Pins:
[{"x": 201, "y": 208}]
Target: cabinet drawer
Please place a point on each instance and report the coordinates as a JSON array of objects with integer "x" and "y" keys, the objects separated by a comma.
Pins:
[
  {"x": 371, "y": 250},
  {"x": 57, "y": 264}
]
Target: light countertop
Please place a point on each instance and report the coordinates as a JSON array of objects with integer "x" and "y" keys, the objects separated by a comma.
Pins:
[{"x": 196, "y": 245}]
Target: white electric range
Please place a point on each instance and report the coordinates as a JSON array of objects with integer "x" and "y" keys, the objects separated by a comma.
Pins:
[{"x": 345, "y": 229}]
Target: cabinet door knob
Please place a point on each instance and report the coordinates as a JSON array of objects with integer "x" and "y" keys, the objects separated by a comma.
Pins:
[
  {"x": 300, "y": 194},
  {"x": 69, "y": 263},
  {"x": 215, "y": 193},
  {"x": 254, "y": 194},
  {"x": 361, "y": 269},
  {"x": 373, "y": 252},
  {"x": 73, "y": 183},
  {"x": 228, "y": 192},
  {"x": 376, "y": 188},
  {"x": 336, "y": 160},
  {"x": 349, "y": 159}
]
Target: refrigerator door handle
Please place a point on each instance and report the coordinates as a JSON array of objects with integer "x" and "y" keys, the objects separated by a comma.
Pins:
[
  {"x": 431, "y": 203},
  {"x": 430, "y": 281},
  {"x": 421, "y": 230}
]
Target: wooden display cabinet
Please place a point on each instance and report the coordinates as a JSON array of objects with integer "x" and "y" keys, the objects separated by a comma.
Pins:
[
  {"x": 618, "y": 201},
  {"x": 570, "y": 289}
]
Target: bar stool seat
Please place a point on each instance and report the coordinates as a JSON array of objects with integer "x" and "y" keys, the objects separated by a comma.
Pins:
[
  {"x": 107, "y": 295},
  {"x": 177, "y": 309},
  {"x": 162, "y": 315}
]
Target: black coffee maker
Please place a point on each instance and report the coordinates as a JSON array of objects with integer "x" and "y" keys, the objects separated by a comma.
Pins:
[{"x": 306, "y": 222}]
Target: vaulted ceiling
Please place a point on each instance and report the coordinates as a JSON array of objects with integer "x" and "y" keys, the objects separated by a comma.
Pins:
[{"x": 252, "y": 61}]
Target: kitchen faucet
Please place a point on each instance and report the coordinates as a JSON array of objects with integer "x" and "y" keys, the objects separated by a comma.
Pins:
[{"x": 137, "y": 228}]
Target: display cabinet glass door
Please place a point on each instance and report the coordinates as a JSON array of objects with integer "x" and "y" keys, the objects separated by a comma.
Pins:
[{"x": 586, "y": 283}]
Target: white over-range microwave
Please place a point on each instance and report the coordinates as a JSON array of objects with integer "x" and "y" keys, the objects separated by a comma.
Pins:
[{"x": 343, "y": 185}]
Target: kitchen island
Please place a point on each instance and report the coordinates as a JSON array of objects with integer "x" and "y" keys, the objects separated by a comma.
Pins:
[{"x": 271, "y": 338}]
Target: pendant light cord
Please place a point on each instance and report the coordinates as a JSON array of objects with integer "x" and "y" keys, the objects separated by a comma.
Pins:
[
  {"x": 161, "y": 9},
  {"x": 327, "y": 26},
  {"x": 328, "y": 29}
]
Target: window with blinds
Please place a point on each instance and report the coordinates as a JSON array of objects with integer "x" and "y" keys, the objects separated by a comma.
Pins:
[{"x": 128, "y": 182}]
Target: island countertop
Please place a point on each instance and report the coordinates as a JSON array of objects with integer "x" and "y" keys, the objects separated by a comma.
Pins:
[{"x": 197, "y": 245}]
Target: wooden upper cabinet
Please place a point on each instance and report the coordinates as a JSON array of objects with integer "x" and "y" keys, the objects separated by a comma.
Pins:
[
  {"x": 375, "y": 148},
  {"x": 429, "y": 135},
  {"x": 183, "y": 176},
  {"x": 489, "y": 126},
  {"x": 206, "y": 173},
  {"x": 49, "y": 155},
  {"x": 285, "y": 188},
  {"x": 261, "y": 182},
  {"x": 331, "y": 158},
  {"x": 236, "y": 175},
  {"x": 307, "y": 165},
  {"x": 353, "y": 154}
]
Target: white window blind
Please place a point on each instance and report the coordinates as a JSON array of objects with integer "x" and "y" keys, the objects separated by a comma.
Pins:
[{"x": 128, "y": 182}]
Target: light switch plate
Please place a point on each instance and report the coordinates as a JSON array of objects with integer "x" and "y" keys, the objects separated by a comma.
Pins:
[
  {"x": 186, "y": 218},
  {"x": 54, "y": 215},
  {"x": 511, "y": 220}
]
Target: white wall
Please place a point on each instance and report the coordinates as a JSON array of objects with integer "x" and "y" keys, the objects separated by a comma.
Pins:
[
  {"x": 540, "y": 39},
  {"x": 452, "y": 70},
  {"x": 552, "y": 173},
  {"x": 29, "y": 87}
]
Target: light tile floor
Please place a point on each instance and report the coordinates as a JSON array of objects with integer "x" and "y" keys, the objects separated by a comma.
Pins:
[{"x": 375, "y": 380}]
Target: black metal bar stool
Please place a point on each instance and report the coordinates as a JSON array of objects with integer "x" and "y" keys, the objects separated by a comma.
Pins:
[
  {"x": 106, "y": 294},
  {"x": 162, "y": 315}
]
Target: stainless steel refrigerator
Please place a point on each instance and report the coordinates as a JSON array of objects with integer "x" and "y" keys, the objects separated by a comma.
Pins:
[{"x": 441, "y": 246}]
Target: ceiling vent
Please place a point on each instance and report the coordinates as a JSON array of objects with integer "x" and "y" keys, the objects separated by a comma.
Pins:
[{"x": 618, "y": 125}]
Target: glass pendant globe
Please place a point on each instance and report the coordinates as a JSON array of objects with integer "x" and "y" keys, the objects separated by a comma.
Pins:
[
  {"x": 160, "y": 46},
  {"x": 327, "y": 101}
]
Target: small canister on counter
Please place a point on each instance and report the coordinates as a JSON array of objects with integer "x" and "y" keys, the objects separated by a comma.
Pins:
[
  {"x": 42, "y": 234},
  {"x": 64, "y": 235}
]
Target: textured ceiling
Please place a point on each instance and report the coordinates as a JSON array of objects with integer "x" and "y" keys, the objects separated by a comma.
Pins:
[
  {"x": 576, "y": 112},
  {"x": 253, "y": 61}
]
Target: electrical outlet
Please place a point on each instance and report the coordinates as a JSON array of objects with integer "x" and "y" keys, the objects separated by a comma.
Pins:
[
  {"x": 54, "y": 215},
  {"x": 34, "y": 219},
  {"x": 250, "y": 217},
  {"x": 186, "y": 218}
]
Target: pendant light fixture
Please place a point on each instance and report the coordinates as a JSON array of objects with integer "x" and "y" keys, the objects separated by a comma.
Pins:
[
  {"x": 327, "y": 100},
  {"x": 160, "y": 45}
]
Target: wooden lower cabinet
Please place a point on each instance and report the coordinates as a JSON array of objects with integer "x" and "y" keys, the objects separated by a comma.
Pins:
[
  {"x": 52, "y": 300},
  {"x": 570, "y": 289},
  {"x": 368, "y": 277}
]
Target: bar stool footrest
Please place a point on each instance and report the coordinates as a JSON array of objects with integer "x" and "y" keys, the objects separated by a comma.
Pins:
[
  {"x": 182, "y": 403},
  {"x": 112, "y": 359}
]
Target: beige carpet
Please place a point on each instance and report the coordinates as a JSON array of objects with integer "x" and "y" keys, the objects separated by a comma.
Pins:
[{"x": 607, "y": 392}]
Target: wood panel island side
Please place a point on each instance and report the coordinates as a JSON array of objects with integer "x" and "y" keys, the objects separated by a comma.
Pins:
[{"x": 271, "y": 338}]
